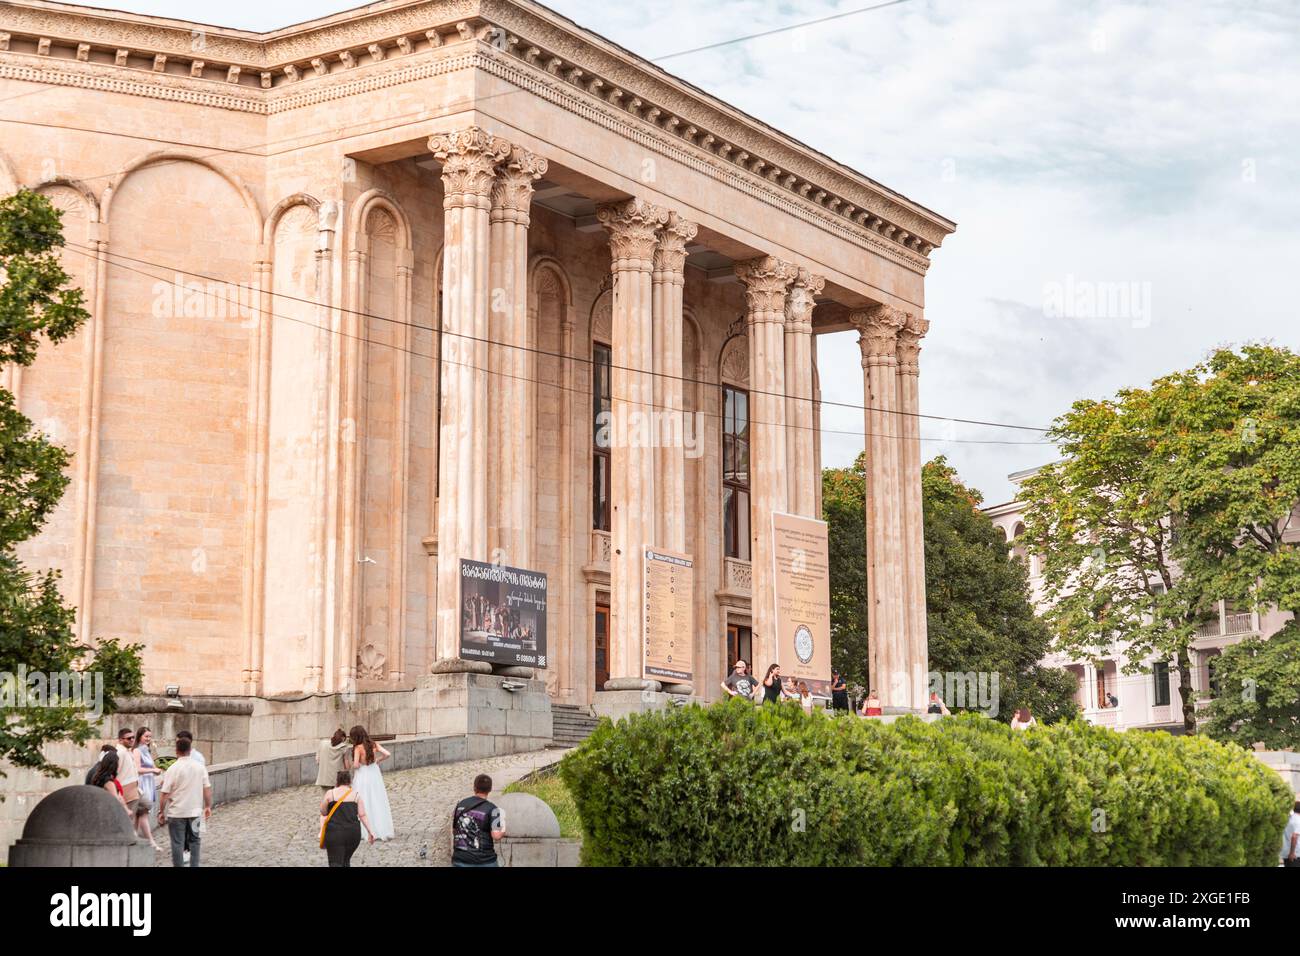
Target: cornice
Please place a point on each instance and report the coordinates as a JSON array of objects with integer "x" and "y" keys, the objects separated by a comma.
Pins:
[{"x": 520, "y": 41}]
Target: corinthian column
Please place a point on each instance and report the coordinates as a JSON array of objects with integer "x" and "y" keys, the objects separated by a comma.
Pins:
[
  {"x": 633, "y": 228},
  {"x": 510, "y": 431},
  {"x": 802, "y": 475},
  {"x": 469, "y": 159},
  {"x": 668, "y": 280},
  {"x": 909, "y": 404},
  {"x": 766, "y": 281},
  {"x": 886, "y": 600}
]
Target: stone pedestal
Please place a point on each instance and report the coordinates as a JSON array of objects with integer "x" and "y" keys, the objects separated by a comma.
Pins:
[
  {"x": 496, "y": 713},
  {"x": 616, "y": 704},
  {"x": 79, "y": 826}
]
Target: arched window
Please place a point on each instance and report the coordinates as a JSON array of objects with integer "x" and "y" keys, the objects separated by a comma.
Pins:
[{"x": 602, "y": 390}]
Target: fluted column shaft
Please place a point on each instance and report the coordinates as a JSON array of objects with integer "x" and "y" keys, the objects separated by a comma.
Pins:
[
  {"x": 801, "y": 472},
  {"x": 886, "y": 599},
  {"x": 668, "y": 281},
  {"x": 913, "y": 528},
  {"x": 633, "y": 228},
  {"x": 510, "y": 431},
  {"x": 766, "y": 282},
  {"x": 469, "y": 159}
]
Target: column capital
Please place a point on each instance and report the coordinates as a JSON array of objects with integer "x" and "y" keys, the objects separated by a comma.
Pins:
[
  {"x": 633, "y": 227},
  {"x": 469, "y": 160},
  {"x": 878, "y": 329},
  {"x": 909, "y": 344},
  {"x": 512, "y": 190},
  {"x": 766, "y": 280},
  {"x": 799, "y": 303},
  {"x": 670, "y": 253}
]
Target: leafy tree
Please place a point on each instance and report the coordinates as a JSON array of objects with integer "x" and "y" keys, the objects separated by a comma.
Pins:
[
  {"x": 980, "y": 616},
  {"x": 1259, "y": 692},
  {"x": 36, "y": 627},
  {"x": 1231, "y": 454},
  {"x": 1167, "y": 500}
]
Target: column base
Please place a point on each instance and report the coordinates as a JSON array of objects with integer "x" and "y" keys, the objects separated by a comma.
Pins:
[
  {"x": 514, "y": 670},
  {"x": 631, "y": 683},
  {"x": 458, "y": 665}
]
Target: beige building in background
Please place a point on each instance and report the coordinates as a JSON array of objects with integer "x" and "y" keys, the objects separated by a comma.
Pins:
[{"x": 359, "y": 288}]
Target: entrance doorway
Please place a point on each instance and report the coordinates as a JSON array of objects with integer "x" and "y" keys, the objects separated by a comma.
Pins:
[
  {"x": 740, "y": 646},
  {"x": 600, "y": 656}
]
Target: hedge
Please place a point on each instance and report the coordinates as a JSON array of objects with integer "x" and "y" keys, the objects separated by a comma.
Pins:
[{"x": 738, "y": 785}]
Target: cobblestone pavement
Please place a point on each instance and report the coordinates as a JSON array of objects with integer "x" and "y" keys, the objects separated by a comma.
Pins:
[{"x": 282, "y": 828}]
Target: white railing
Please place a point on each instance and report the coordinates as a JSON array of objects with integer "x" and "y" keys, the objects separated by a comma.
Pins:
[{"x": 1240, "y": 622}]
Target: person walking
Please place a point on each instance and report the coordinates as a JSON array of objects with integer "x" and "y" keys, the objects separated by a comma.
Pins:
[
  {"x": 772, "y": 684},
  {"x": 343, "y": 814},
  {"x": 740, "y": 682},
  {"x": 90, "y": 774},
  {"x": 106, "y": 778},
  {"x": 368, "y": 781},
  {"x": 195, "y": 755},
  {"x": 1291, "y": 838},
  {"x": 333, "y": 757},
  {"x": 186, "y": 797},
  {"x": 127, "y": 775},
  {"x": 476, "y": 824},
  {"x": 839, "y": 692},
  {"x": 148, "y": 774}
]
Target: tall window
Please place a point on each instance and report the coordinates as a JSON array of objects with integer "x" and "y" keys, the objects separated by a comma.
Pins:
[
  {"x": 1160, "y": 673},
  {"x": 601, "y": 394},
  {"x": 735, "y": 472}
]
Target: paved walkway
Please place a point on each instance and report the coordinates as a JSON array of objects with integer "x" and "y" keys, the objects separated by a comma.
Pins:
[{"x": 282, "y": 828}]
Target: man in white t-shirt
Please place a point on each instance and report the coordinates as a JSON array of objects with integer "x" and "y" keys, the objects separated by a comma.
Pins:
[
  {"x": 1291, "y": 838},
  {"x": 185, "y": 795}
]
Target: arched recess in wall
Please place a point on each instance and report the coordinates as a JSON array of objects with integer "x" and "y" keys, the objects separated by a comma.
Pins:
[
  {"x": 381, "y": 239},
  {"x": 292, "y": 389},
  {"x": 54, "y": 391},
  {"x": 179, "y": 334},
  {"x": 550, "y": 316}
]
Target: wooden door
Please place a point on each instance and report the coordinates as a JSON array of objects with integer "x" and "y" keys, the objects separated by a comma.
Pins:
[{"x": 600, "y": 657}]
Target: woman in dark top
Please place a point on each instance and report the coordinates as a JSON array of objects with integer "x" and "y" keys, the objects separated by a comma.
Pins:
[
  {"x": 343, "y": 831},
  {"x": 772, "y": 685},
  {"x": 106, "y": 777}
]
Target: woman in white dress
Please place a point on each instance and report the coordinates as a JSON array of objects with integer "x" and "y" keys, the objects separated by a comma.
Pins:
[{"x": 368, "y": 782}]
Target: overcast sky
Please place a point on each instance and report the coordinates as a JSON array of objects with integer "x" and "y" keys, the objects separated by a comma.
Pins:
[{"x": 1125, "y": 178}]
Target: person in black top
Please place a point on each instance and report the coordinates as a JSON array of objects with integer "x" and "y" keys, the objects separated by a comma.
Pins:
[
  {"x": 839, "y": 692},
  {"x": 476, "y": 825},
  {"x": 772, "y": 684}
]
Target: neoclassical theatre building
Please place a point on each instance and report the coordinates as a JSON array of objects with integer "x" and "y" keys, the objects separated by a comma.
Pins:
[{"x": 361, "y": 290}]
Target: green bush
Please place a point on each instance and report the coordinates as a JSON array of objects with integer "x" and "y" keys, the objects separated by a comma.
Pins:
[{"x": 738, "y": 785}]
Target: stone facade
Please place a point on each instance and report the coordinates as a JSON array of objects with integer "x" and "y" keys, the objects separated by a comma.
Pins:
[{"x": 345, "y": 280}]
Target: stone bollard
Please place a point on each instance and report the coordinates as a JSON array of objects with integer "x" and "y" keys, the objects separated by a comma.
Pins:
[
  {"x": 79, "y": 826},
  {"x": 532, "y": 834}
]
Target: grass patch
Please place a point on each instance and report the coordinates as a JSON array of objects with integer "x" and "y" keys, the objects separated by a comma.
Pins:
[{"x": 550, "y": 789}]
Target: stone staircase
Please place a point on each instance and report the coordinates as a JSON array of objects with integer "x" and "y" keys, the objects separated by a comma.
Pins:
[{"x": 571, "y": 724}]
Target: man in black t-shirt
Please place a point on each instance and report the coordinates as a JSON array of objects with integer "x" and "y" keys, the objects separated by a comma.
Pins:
[{"x": 476, "y": 825}]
